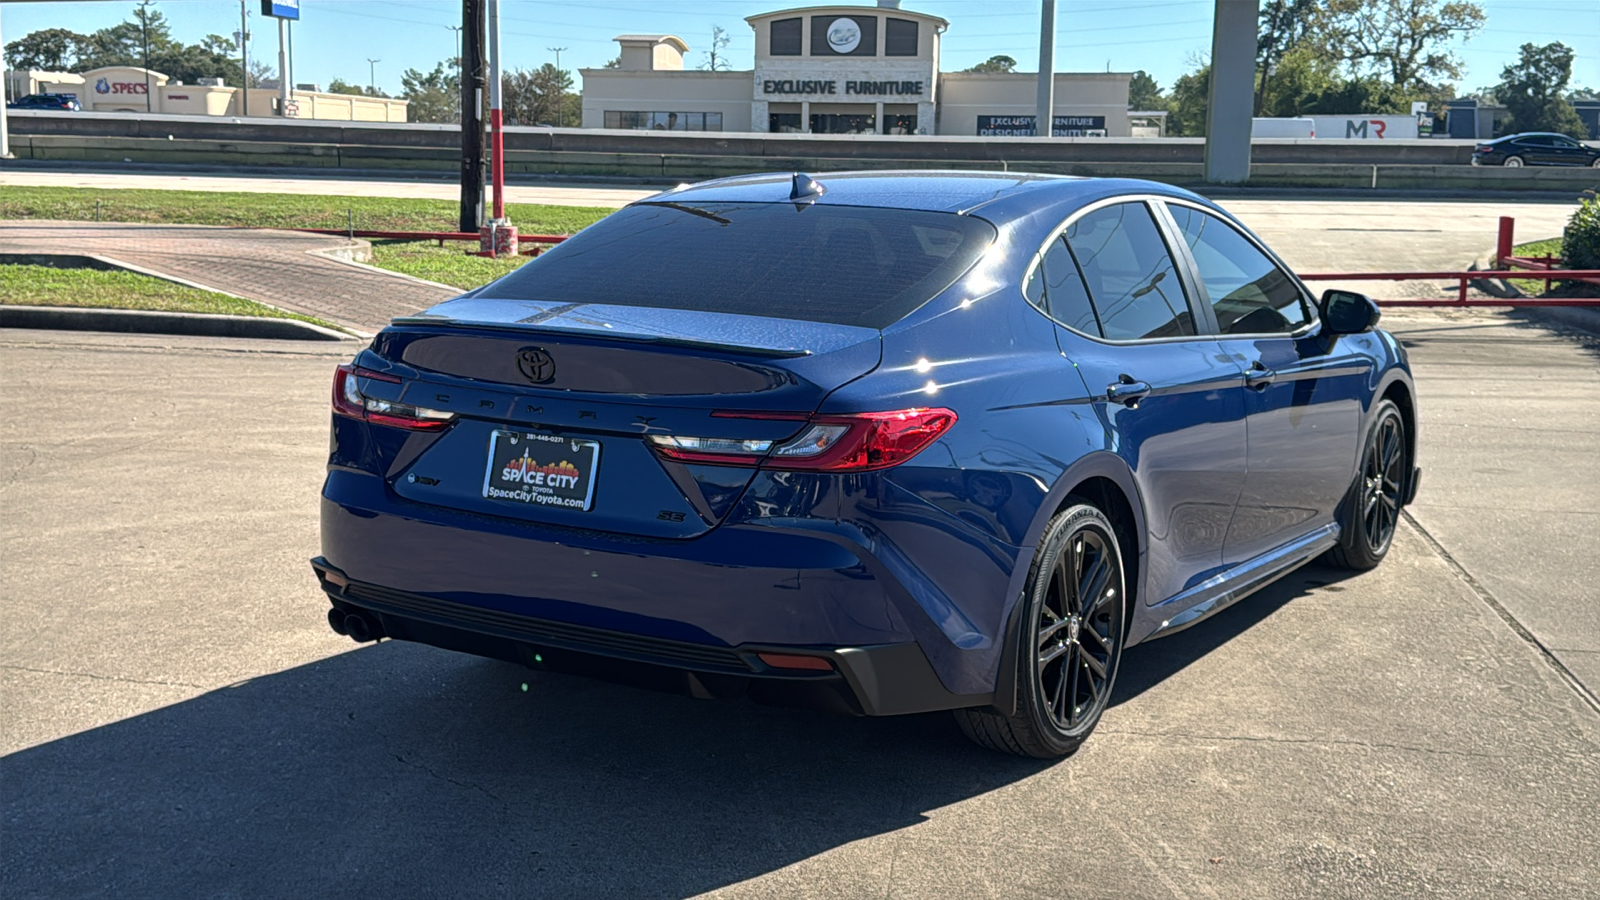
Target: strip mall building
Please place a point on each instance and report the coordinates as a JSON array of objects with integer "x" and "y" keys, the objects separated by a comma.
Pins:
[{"x": 841, "y": 70}]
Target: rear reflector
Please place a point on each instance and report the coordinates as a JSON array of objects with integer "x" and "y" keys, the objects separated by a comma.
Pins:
[
  {"x": 349, "y": 401},
  {"x": 795, "y": 661},
  {"x": 856, "y": 442}
]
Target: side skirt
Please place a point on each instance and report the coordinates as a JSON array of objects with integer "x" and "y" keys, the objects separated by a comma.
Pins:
[{"x": 1222, "y": 591}]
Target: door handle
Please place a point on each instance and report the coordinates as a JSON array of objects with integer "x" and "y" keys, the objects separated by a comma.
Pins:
[
  {"x": 1127, "y": 391},
  {"x": 1259, "y": 376}
]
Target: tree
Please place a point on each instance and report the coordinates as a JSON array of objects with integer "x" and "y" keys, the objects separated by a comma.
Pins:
[
  {"x": 995, "y": 64},
  {"x": 1144, "y": 93},
  {"x": 434, "y": 96},
  {"x": 716, "y": 60},
  {"x": 1403, "y": 39},
  {"x": 340, "y": 86},
  {"x": 1533, "y": 91},
  {"x": 614, "y": 62},
  {"x": 1284, "y": 27},
  {"x": 541, "y": 96},
  {"x": 1190, "y": 102},
  {"x": 53, "y": 49}
]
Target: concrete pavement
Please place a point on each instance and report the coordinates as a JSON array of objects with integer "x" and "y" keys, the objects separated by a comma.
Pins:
[{"x": 181, "y": 722}]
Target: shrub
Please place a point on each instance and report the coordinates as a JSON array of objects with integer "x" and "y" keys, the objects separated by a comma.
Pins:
[{"x": 1580, "y": 243}]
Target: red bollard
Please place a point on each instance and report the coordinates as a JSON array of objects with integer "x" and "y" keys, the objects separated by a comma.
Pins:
[{"x": 1502, "y": 247}]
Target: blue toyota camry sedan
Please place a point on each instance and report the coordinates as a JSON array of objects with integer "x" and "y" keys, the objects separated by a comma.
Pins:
[{"x": 878, "y": 442}]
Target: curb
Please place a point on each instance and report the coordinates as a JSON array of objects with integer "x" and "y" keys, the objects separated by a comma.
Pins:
[{"x": 139, "y": 321}]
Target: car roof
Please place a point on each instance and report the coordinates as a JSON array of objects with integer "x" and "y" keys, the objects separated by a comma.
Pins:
[{"x": 934, "y": 191}]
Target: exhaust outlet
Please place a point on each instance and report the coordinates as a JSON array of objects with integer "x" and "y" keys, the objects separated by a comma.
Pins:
[
  {"x": 336, "y": 621},
  {"x": 360, "y": 628}
]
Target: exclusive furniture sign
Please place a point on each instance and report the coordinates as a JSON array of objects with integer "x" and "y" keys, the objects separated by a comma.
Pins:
[
  {"x": 1025, "y": 126},
  {"x": 832, "y": 87}
]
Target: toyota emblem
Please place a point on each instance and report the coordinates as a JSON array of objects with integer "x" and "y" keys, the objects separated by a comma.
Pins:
[{"x": 536, "y": 365}]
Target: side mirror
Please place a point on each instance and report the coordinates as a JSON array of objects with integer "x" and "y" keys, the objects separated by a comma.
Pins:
[{"x": 1347, "y": 312}]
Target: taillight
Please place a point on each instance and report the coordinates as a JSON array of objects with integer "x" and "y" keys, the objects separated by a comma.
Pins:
[
  {"x": 857, "y": 442},
  {"x": 349, "y": 401}
]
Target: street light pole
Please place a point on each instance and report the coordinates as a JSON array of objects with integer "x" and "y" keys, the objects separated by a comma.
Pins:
[
  {"x": 561, "y": 101},
  {"x": 144, "y": 34},
  {"x": 244, "y": 60},
  {"x": 372, "y": 76}
]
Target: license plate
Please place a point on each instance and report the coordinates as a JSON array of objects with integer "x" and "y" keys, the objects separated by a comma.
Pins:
[{"x": 542, "y": 470}]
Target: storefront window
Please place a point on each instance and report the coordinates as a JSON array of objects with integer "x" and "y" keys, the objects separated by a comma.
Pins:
[
  {"x": 786, "y": 37},
  {"x": 899, "y": 124},
  {"x": 783, "y": 123},
  {"x": 664, "y": 121},
  {"x": 843, "y": 123},
  {"x": 899, "y": 37}
]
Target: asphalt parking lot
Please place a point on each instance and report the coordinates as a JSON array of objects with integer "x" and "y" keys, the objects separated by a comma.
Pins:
[{"x": 179, "y": 721}]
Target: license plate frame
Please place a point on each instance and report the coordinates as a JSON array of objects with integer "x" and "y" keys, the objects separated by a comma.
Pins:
[{"x": 549, "y": 472}]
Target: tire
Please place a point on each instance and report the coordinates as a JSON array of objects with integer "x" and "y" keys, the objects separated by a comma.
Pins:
[
  {"x": 1595, "y": 163},
  {"x": 1073, "y": 619},
  {"x": 1513, "y": 162},
  {"x": 1372, "y": 507}
]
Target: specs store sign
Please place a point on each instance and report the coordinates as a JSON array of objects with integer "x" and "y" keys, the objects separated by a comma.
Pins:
[
  {"x": 1024, "y": 126},
  {"x": 107, "y": 86}
]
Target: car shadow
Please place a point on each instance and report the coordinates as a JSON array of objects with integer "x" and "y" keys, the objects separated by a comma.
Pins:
[
  {"x": 1144, "y": 666},
  {"x": 400, "y": 770}
]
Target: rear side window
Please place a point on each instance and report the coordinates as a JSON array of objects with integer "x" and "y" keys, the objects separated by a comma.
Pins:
[
  {"x": 1057, "y": 288},
  {"x": 1248, "y": 292},
  {"x": 845, "y": 265},
  {"x": 1129, "y": 274}
]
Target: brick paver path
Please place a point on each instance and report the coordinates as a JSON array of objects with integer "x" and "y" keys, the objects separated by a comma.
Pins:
[{"x": 269, "y": 266}]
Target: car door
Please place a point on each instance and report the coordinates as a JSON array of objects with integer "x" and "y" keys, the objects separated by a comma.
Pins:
[
  {"x": 1568, "y": 152},
  {"x": 1172, "y": 403},
  {"x": 1303, "y": 392}
]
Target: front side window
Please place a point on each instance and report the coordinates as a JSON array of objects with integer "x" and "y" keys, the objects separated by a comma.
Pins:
[
  {"x": 1248, "y": 292},
  {"x": 1129, "y": 274}
]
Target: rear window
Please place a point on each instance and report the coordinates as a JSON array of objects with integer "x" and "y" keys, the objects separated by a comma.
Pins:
[{"x": 845, "y": 265}]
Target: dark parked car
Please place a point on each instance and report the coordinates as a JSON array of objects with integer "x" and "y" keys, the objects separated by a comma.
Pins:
[
  {"x": 1535, "y": 149},
  {"x": 46, "y": 101},
  {"x": 890, "y": 443}
]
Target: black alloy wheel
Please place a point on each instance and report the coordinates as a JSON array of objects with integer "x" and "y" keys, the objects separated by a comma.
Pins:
[
  {"x": 1372, "y": 508},
  {"x": 1069, "y": 641},
  {"x": 1382, "y": 479},
  {"x": 1078, "y": 629}
]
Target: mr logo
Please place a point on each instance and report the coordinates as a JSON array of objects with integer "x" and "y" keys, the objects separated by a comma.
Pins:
[{"x": 1357, "y": 128}]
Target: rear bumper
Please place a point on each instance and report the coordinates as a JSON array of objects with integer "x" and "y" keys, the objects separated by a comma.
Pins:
[{"x": 876, "y": 680}]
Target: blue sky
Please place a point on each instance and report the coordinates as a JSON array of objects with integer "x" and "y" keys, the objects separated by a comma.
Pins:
[{"x": 336, "y": 37}]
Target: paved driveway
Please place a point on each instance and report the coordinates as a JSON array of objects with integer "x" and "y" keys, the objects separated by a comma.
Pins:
[
  {"x": 180, "y": 722},
  {"x": 279, "y": 268}
]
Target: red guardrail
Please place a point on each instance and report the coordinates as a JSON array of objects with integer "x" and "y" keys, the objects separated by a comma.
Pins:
[{"x": 1465, "y": 279}]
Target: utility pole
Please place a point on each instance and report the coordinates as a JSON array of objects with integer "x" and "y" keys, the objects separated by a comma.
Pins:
[
  {"x": 5, "y": 117},
  {"x": 472, "y": 78},
  {"x": 561, "y": 96},
  {"x": 372, "y": 76},
  {"x": 1044, "y": 123},
  {"x": 144, "y": 31},
  {"x": 244, "y": 60},
  {"x": 457, "y": 30}
]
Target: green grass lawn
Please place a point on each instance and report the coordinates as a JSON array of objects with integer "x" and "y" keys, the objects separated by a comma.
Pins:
[
  {"x": 449, "y": 264},
  {"x": 49, "y": 286},
  {"x": 1534, "y": 249},
  {"x": 274, "y": 210}
]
